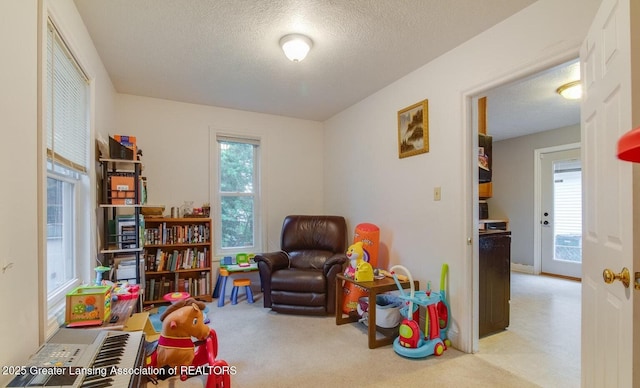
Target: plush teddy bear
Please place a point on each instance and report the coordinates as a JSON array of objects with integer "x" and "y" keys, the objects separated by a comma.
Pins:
[
  {"x": 181, "y": 321},
  {"x": 363, "y": 270}
]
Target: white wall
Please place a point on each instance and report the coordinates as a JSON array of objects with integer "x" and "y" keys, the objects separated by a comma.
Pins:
[
  {"x": 352, "y": 169},
  {"x": 175, "y": 139},
  {"x": 513, "y": 185},
  {"x": 21, "y": 206},
  {"x": 18, "y": 167},
  {"x": 397, "y": 194}
]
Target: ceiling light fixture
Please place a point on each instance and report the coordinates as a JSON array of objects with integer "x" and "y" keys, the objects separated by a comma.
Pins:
[
  {"x": 295, "y": 46},
  {"x": 571, "y": 90}
]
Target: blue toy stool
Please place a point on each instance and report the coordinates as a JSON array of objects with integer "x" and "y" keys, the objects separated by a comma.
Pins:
[{"x": 237, "y": 283}]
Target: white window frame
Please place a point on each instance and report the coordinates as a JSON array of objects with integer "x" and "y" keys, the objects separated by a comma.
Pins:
[
  {"x": 53, "y": 312},
  {"x": 258, "y": 221}
]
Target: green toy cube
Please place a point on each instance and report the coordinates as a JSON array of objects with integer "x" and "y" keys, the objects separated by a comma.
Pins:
[{"x": 88, "y": 304}]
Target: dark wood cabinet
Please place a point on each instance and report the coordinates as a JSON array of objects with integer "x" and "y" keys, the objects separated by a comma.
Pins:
[{"x": 494, "y": 282}]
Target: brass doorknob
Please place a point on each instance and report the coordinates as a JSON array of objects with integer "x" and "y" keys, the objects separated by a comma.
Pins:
[{"x": 609, "y": 276}]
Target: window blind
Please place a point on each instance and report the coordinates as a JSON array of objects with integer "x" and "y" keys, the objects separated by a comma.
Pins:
[
  {"x": 568, "y": 197},
  {"x": 67, "y": 121},
  {"x": 237, "y": 139}
]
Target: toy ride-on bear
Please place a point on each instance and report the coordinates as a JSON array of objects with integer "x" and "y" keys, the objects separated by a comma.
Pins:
[{"x": 176, "y": 353}]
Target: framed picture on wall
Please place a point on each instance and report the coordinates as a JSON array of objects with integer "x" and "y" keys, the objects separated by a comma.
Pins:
[{"x": 413, "y": 129}]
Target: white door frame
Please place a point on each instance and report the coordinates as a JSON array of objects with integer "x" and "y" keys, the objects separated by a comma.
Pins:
[
  {"x": 470, "y": 273},
  {"x": 537, "y": 198}
]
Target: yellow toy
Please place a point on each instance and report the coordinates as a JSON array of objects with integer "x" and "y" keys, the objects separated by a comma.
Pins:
[{"x": 363, "y": 270}]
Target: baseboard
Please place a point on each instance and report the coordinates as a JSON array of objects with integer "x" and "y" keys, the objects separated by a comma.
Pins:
[
  {"x": 522, "y": 268},
  {"x": 553, "y": 275}
]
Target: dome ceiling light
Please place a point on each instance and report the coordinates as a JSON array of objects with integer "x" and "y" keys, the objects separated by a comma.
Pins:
[
  {"x": 295, "y": 46},
  {"x": 571, "y": 90}
]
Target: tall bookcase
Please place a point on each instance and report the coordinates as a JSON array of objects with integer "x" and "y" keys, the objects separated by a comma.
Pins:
[
  {"x": 122, "y": 224},
  {"x": 177, "y": 257}
]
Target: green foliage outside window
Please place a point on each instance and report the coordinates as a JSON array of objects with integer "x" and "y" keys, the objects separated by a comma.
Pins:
[{"x": 237, "y": 174}]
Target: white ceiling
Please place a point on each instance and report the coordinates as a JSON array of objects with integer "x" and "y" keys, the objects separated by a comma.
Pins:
[
  {"x": 225, "y": 53},
  {"x": 532, "y": 104}
]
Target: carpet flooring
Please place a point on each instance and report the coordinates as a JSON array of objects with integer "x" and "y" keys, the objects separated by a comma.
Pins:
[{"x": 276, "y": 350}]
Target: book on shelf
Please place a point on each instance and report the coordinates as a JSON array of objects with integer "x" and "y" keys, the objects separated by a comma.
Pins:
[
  {"x": 174, "y": 261},
  {"x": 162, "y": 286},
  {"x": 167, "y": 286},
  {"x": 185, "y": 259},
  {"x": 127, "y": 235},
  {"x": 152, "y": 287},
  {"x": 149, "y": 260},
  {"x": 195, "y": 285},
  {"x": 177, "y": 234},
  {"x": 126, "y": 227},
  {"x": 160, "y": 260}
]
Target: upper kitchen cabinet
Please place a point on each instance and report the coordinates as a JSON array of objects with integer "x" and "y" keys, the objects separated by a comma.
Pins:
[{"x": 485, "y": 188}]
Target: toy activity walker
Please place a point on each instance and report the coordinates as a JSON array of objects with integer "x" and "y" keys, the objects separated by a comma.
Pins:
[{"x": 412, "y": 342}]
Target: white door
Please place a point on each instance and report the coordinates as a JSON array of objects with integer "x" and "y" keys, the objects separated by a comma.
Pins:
[
  {"x": 607, "y": 309},
  {"x": 561, "y": 218}
]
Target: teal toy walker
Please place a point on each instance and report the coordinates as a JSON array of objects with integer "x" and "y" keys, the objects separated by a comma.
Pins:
[{"x": 412, "y": 342}]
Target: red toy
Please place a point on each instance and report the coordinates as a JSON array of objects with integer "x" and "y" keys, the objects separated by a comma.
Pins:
[
  {"x": 411, "y": 342},
  {"x": 176, "y": 350}
]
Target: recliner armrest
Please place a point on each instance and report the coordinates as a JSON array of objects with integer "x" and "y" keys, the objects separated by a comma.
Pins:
[
  {"x": 274, "y": 260},
  {"x": 268, "y": 263},
  {"x": 337, "y": 259}
]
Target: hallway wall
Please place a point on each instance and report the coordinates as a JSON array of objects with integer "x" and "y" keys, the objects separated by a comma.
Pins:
[{"x": 513, "y": 185}]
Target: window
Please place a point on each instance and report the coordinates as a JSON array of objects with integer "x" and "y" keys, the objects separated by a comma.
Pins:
[
  {"x": 567, "y": 200},
  {"x": 60, "y": 233},
  {"x": 237, "y": 205},
  {"x": 67, "y": 135}
]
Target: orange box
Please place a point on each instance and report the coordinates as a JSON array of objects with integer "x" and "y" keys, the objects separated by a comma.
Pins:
[
  {"x": 128, "y": 141},
  {"x": 122, "y": 190}
]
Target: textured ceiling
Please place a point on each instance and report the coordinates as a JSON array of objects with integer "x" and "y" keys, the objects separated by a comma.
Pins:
[
  {"x": 532, "y": 104},
  {"x": 225, "y": 53}
]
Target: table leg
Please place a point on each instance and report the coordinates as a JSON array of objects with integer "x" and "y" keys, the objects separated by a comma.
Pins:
[
  {"x": 389, "y": 334},
  {"x": 223, "y": 287},
  {"x": 216, "y": 289},
  {"x": 372, "y": 319},
  {"x": 338, "y": 301},
  {"x": 388, "y": 337}
]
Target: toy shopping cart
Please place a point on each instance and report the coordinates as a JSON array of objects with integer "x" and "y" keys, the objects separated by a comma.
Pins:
[{"x": 412, "y": 342}]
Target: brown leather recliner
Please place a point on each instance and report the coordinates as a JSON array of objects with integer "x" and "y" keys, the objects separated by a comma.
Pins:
[{"x": 301, "y": 278}]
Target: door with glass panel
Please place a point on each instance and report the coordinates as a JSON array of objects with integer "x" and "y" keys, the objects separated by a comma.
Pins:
[{"x": 561, "y": 219}]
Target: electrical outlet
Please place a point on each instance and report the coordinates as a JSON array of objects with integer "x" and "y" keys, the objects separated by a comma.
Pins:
[{"x": 437, "y": 193}]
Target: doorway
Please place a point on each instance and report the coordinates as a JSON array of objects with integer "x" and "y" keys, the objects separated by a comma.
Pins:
[
  {"x": 542, "y": 335},
  {"x": 513, "y": 166},
  {"x": 558, "y": 177}
]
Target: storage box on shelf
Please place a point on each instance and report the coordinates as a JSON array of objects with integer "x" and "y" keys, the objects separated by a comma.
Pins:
[
  {"x": 177, "y": 257},
  {"x": 122, "y": 222}
]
